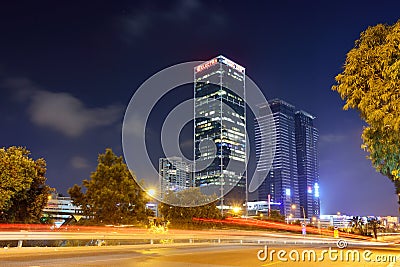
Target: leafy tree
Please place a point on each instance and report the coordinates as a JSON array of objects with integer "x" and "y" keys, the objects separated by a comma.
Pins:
[
  {"x": 374, "y": 224},
  {"x": 357, "y": 224},
  {"x": 23, "y": 192},
  {"x": 176, "y": 214},
  {"x": 112, "y": 194},
  {"x": 370, "y": 83}
]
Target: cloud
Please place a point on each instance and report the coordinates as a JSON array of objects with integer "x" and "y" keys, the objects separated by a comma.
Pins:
[
  {"x": 61, "y": 111},
  {"x": 67, "y": 114},
  {"x": 79, "y": 162},
  {"x": 137, "y": 25},
  {"x": 134, "y": 125},
  {"x": 181, "y": 11},
  {"x": 22, "y": 88}
]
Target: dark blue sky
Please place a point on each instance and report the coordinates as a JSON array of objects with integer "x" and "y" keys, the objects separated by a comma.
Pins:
[{"x": 68, "y": 71}]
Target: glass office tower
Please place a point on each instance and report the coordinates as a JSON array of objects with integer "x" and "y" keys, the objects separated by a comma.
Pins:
[
  {"x": 307, "y": 163},
  {"x": 281, "y": 183},
  {"x": 220, "y": 129},
  {"x": 175, "y": 175},
  {"x": 293, "y": 178}
]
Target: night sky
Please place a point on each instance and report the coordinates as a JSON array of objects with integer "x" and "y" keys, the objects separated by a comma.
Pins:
[{"x": 68, "y": 71}]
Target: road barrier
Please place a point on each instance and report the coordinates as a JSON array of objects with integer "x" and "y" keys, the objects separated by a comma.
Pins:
[{"x": 176, "y": 236}]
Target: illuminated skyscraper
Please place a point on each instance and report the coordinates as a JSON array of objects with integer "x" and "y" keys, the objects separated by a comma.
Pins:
[
  {"x": 281, "y": 183},
  {"x": 293, "y": 178},
  {"x": 220, "y": 129},
  {"x": 307, "y": 163},
  {"x": 175, "y": 175}
]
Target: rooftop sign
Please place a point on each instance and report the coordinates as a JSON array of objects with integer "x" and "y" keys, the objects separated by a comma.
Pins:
[
  {"x": 220, "y": 59},
  {"x": 230, "y": 63},
  {"x": 206, "y": 65}
]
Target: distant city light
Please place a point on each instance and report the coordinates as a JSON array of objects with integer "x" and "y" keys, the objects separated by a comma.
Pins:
[
  {"x": 316, "y": 190},
  {"x": 236, "y": 210},
  {"x": 151, "y": 192},
  {"x": 309, "y": 189},
  {"x": 287, "y": 191}
]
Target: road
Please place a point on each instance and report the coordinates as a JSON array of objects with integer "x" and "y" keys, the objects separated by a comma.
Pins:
[{"x": 179, "y": 255}]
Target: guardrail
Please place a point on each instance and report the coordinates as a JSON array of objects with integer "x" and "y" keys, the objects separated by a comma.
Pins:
[
  {"x": 144, "y": 237},
  {"x": 385, "y": 234}
]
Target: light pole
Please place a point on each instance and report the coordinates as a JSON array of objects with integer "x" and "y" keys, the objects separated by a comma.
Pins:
[
  {"x": 340, "y": 219},
  {"x": 236, "y": 211},
  {"x": 319, "y": 226},
  {"x": 304, "y": 213},
  {"x": 314, "y": 219},
  {"x": 152, "y": 200},
  {"x": 289, "y": 218}
]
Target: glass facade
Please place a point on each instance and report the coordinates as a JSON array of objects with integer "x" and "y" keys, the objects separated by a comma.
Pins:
[
  {"x": 220, "y": 129},
  {"x": 281, "y": 182},
  {"x": 293, "y": 178},
  {"x": 307, "y": 163},
  {"x": 175, "y": 175}
]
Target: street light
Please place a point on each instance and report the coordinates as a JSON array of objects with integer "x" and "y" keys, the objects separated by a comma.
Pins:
[
  {"x": 314, "y": 219},
  {"x": 289, "y": 217},
  {"x": 236, "y": 210},
  {"x": 304, "y": 213},
  {"x": 152, "y": 201},
  {"x": 151, "y": 192}
]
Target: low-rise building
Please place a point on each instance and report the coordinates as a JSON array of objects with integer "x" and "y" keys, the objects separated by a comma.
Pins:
[{"x": 61, "y": 209}]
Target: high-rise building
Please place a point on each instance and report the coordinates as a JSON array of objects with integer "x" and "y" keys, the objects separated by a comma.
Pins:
[
  {"x": 281, "y": 183},
  {"x": 220, "y": 129},
  {"x": 175, "y": 175},
  {"x": 293, "y": 178},
  {"x": 307, "y": 163}
]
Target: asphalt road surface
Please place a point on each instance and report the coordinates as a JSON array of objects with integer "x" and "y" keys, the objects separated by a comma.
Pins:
[{"x": 200, "y": 255}]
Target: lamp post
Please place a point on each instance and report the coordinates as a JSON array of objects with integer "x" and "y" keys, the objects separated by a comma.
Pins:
[
  {"x": 340, "y": 219},
  {"x": 304, "y": 213},
  {"x": 319, "y": 226},
  {"x": 236, "y": 211},
  {"x": 151, "y": 192},
  {"x": 152, "y": 200},
  {"x": 289, "y": 218}
]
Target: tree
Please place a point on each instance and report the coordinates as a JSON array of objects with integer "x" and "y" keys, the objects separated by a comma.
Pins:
[
  {"x": 176, "y": 214},
  {"x": 23, "y": 192},
  {"x": 112, "y": 194},
  {"x": 374, "y": 224},
  {"x": 357, "y": 224},
  {"x": 370, "y": 83}
]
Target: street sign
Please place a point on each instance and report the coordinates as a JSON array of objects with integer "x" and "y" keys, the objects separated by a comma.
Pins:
[
  {"x": 303, "y": 229},
  {"x": 77, "y": 217},
  {"x": 336, "y": 232}
]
